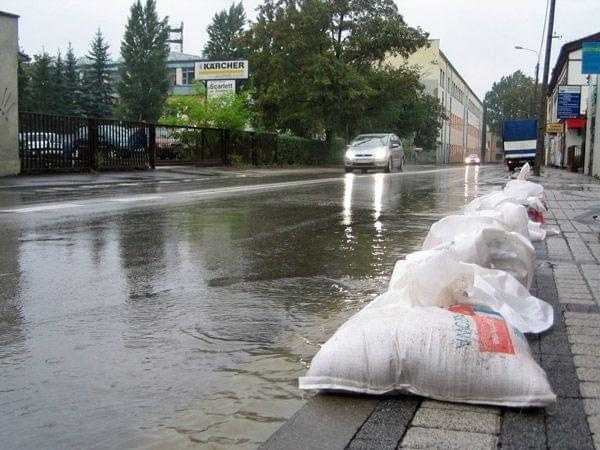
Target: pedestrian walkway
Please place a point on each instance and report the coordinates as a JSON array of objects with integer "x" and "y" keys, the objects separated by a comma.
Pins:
[{"x": 568, "y": 277}]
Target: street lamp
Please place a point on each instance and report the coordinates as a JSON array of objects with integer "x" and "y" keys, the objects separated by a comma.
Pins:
[{"x": 537, "y": 69}]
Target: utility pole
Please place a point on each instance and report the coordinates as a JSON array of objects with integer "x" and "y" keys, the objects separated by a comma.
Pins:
[
  {"x": 539, "y": 148},
  {"x": 535, "y": 86}
]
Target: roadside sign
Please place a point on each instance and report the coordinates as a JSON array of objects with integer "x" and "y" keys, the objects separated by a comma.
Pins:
[
  {"x": 569, "y": 102},
  {"x": 215, "y": 88},
  {"x": 555, "y": 128},
  {"x": 590, "y": 57},
  {"x": 221, "y": 70}
]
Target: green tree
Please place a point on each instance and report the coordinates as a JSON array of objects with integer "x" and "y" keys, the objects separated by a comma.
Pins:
[
  {"x": 72, "y": 93},
  {"x": 98, "y": 92},
  {"x": 42, "y": 97},
  {"x": 144, "y": 75},
  {"x": 224, "y": 32},
  {"x": 429, "y": 116},
  {"x": 58, "y": 85},
  {"x": 509, "y": 98},
  {"x": 409, "y": 112},
  {"x": 314, "y": 60},
  {"x": 231, "y": 111},
  {"x": 24, "y": 80}
]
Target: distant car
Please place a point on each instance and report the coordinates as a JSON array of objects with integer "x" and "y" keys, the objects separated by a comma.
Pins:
[
  {"x": 374, "y": 151},
  {"x": 472, "y": 159},
  {"x": 40, "y": 142},
  {"x": 114, "y": 138},
  {"x": 167, "y": 144}
]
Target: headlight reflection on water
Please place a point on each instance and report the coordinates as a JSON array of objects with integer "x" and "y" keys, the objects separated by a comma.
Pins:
[
  {"x": 348, "y": 184},
  {"x": 377, "y": 196},
  {"x": 471, "y": 187}
]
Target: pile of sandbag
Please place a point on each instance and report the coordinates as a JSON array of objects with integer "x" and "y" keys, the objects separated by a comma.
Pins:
[{"x": 451, "y": 324}]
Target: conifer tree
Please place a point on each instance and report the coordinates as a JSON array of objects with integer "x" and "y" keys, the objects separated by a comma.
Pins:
[
  {"x": 24, "y": 80},
  {"x": 42, "y": 97},
  {"x": 57, "y": 86},
  {"x": 72, "y": 95},
  {"x": 98, "y": 92},
  {"x": 144, "y": 75},
  {"x": 224, "y": 32}
]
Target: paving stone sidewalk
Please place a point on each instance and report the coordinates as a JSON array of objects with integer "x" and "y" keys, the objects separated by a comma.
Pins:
[{"x": 568, "y": 277}]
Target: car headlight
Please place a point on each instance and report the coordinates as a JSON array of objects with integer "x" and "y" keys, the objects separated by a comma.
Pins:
[
  {"x": 380, "y": 153},
  {"x": 349, "y": 154}
]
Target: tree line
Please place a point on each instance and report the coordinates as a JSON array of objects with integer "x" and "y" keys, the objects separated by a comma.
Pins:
[
  {"x": 510, "y": 98},
  {"x": 66, "y": 85},
  {"x": 318, "y": 68}
]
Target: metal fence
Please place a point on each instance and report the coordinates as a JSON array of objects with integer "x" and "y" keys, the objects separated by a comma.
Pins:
[
  {"x": 213, "y": 146},
  {"x": 52, "y": 143}
]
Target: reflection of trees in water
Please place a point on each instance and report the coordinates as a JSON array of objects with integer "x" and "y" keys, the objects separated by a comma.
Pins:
[
  {"x": 142, "y": 249},
  {"x": 12, "y": 336},
  {"x": 143, "y": 261}
]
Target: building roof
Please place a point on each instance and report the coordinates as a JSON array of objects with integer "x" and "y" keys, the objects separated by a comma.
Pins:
[
  {"x": 563, "y": 56},
  {"x": 178, "y": 56},
  {"x": 173, "y": 57},
  {"x": 461, "y": 77},
  {"x": 14, "y": 16}
]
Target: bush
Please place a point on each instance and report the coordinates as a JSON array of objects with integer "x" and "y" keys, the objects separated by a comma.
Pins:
[{"x": 297, "y": 151}]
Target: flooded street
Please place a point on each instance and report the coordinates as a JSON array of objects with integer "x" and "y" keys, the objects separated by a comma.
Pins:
[{"x": 183, "y": 316}]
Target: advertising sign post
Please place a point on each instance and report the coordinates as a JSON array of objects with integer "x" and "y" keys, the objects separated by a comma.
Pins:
[
  {"x": 590, "y": 55},
  {"x": 215, "y": 88},
  {"x": 569, "y": 102},
  {"x": 219, "y": 76}
]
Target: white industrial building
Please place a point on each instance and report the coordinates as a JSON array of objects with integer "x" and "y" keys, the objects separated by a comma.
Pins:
[{"x": 461, "y": 133}]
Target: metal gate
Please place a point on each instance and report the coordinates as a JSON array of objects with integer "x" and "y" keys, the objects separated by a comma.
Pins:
[{"x": 53, "y": 143}]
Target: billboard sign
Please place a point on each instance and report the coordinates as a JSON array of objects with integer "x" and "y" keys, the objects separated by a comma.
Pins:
[
  {"x": 554, "y": 128},
  {"x": 221, "y": 70},
  {"x": 590, "y": 55},
  {"x": 216, "y": 88},
  {"x": 569, "y": 102}
]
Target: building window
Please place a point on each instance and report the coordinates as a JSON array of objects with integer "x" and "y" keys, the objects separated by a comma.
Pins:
[{"x": 187, "y": 76}]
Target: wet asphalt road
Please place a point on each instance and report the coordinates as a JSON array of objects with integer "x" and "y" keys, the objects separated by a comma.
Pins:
[{"x": 179, "y": 311}]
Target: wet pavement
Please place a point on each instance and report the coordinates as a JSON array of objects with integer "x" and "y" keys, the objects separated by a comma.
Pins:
[
  {"x": 567, "y": 277},
  {"x": 179, "y": 310}
]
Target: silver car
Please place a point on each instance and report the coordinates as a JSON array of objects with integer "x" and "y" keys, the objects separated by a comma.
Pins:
[{"x": 375, "y": 151}]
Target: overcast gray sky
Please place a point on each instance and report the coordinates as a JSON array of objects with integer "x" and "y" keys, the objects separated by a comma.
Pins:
[{"x": 478, "y": 36}]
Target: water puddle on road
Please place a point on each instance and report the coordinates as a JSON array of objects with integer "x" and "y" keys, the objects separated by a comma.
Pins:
[{"x": 188, "y": 325}]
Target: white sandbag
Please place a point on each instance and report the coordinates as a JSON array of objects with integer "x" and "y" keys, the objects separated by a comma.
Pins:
[
  {"x": 521, "y": 190},
  {"x": 524, "y": 172},
  {"x": 494, "y": 249},
  {"x": 436, "y": 278},
  {"x": 512, "y": 215},
  {"x": 536, "y": 232},
  {"x": 444, "y": 230},
  {"x": 489, "y": 201},
  {"x": 504, "y": 206},
  {"x": 464, "y": 355}
]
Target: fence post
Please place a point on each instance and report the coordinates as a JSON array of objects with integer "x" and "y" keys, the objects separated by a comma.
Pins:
[
  {"x": 253, "y": 158},
  {"x": 152, "y": 145},
  {"x": 92, "y": 125},
  {"x": 224, "y": 145}
]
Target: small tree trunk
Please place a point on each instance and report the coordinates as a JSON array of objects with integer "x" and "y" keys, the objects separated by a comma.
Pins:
[{"x": 328, "y": 137}]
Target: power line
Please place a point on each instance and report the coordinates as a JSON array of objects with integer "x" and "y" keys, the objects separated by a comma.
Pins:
[{"x": 544, "y": 29}]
